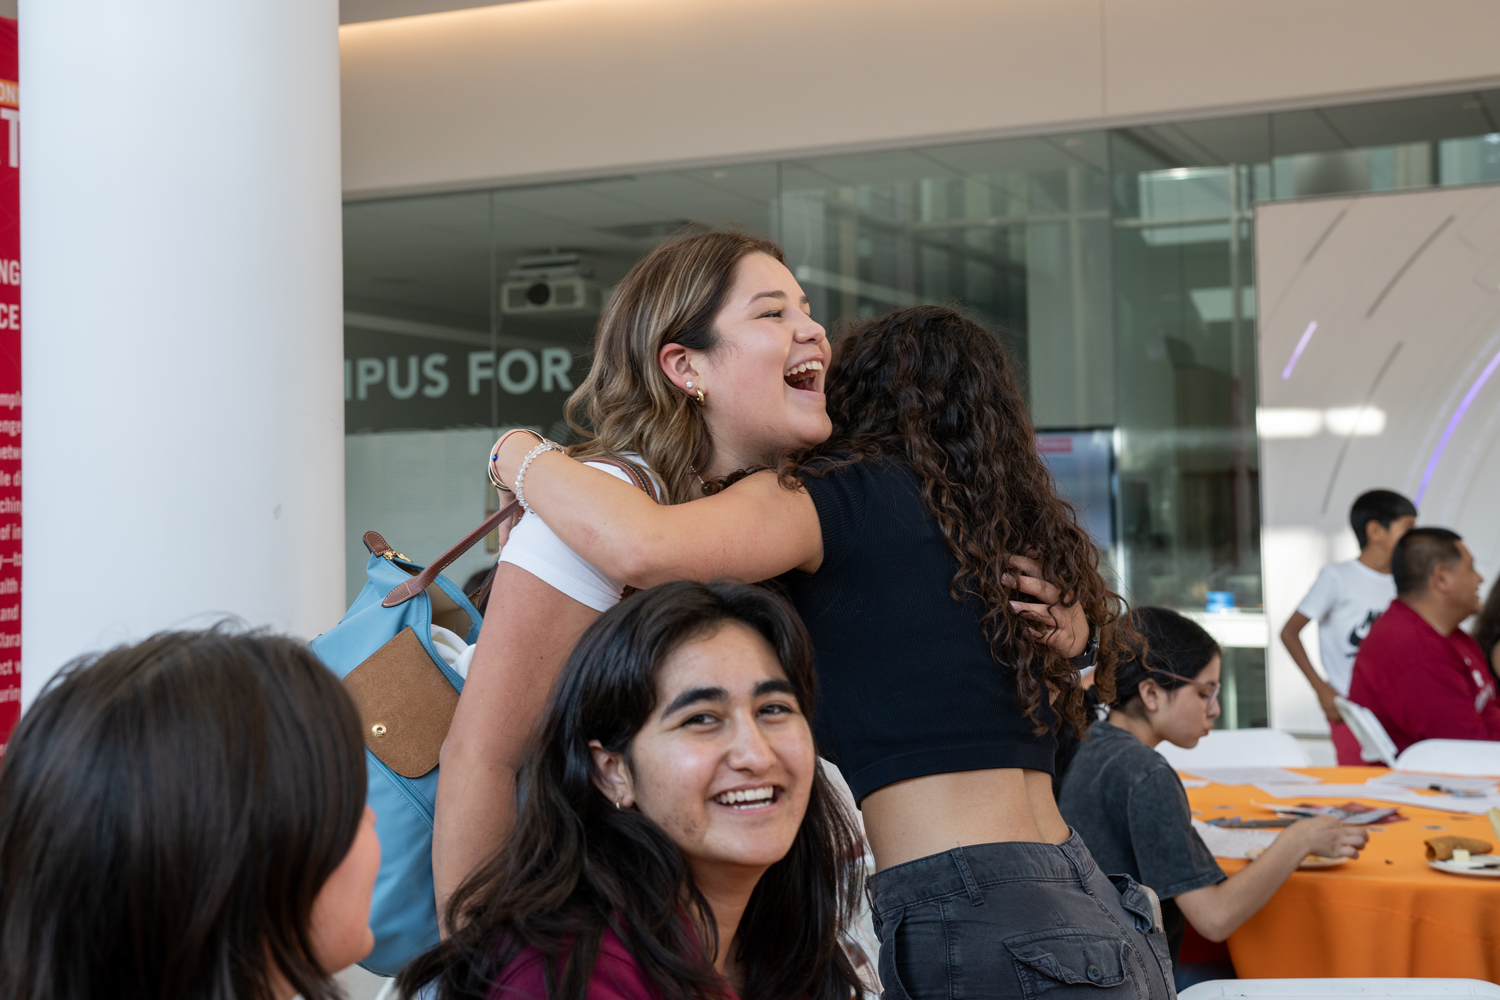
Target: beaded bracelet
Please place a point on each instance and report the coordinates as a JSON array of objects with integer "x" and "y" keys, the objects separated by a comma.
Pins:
[
  {"x": 495, "y": 480},
  {"x": 525, "y": 462}
]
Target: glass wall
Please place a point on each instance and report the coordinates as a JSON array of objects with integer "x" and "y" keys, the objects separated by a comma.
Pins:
[{"x": 1117, "y": 267}]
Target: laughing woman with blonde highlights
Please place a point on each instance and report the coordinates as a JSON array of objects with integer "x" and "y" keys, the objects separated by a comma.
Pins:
[{"x": 716, "y": 315}]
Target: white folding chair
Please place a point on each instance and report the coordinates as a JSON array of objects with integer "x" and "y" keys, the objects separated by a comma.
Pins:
[
  {"x": 1374, "y": 743},
  {"x": 1470, "y": 757},
  {"x": 1238, "y": 748},
  {"x": 1324, "y": 989}
]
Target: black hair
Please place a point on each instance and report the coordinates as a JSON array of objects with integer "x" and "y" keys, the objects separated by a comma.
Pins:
[
  {"x": 169, "y": 812},
  {"x": 1381, "y": 506},
  {"x": 577, "y": 865},
  {"x": 1418, "y": 553},
  {"x": 1169, "y": 649},
  {"x": 1176, "y": 651}
]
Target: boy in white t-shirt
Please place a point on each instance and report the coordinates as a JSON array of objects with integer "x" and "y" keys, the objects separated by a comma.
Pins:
[{"x": 1345, "y": 600}]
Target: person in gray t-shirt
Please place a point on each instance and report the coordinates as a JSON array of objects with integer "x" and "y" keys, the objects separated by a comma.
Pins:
[{"x": 1128, "y": 805}]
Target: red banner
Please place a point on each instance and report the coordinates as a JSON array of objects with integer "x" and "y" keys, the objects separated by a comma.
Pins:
[{"x": 10, "y": 383}]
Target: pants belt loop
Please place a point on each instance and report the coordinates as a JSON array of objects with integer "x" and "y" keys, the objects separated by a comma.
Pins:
[{"x": 970, "y": 885}]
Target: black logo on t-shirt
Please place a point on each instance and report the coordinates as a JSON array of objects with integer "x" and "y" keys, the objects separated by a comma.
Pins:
[{"x": 1361, "y": 630}]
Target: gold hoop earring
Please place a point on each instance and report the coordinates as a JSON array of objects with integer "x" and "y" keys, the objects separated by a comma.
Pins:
[{"x": 701, "y": 400}]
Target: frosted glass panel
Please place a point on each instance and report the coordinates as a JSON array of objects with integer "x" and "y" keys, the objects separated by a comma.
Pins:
[{"x": 1379, "y": 343}]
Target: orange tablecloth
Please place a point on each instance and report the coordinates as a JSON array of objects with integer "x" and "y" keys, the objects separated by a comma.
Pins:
[{"x": 1383, "y": 914}]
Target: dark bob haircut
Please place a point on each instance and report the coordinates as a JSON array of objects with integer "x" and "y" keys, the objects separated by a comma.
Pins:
[
  {"x": 576, "y": 864},
  {"x": 1176, "y": 651},
  {"x": 1168, "y": 649},
  {"x": 169, "y": 812}
]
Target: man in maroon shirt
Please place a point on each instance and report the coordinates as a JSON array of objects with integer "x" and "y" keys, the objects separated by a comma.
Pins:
[{"x": 1423, "y": 676}]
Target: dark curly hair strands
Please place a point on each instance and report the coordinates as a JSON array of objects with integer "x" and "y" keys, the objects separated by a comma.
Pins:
[
  {"x": 576, "y": 865},
  {"x": 935, "y": 390}
]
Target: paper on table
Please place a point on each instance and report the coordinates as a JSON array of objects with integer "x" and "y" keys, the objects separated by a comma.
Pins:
[
  {"x": 1228, "y": 842},
  {"x": 1445, "y": 803},
  {"x": 1280, "y": 791},
  {"x": 1387, "y": 793},
  {"x": 1252, "y": 776},
  {"x": 1193, "y": 782},
  {"x": 1408, "y": 779}
]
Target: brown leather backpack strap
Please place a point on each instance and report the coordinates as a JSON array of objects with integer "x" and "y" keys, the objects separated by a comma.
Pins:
[
  {"x": 482, "y": 593},
  {"x": 408, "y": 589},
  {"x": 639, "y": 476},
  {"x": 377, "y": 544},
  {"x": 635, "y": 473}
]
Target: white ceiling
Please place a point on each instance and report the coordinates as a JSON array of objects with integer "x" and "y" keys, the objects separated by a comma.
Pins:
[{"x": 355, "y": 11}]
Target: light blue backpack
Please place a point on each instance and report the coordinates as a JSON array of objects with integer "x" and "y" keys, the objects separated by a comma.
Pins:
[{"x": 406, "y": 694}]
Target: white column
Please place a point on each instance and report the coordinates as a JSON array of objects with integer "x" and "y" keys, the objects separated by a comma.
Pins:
[{"x": 182, "y": 352}]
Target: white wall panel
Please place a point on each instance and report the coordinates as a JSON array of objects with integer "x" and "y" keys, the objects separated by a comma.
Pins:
[
  {"x": 566, "y": 88},
  {"x": 575, "y": 87},
  {"x": 1185, "y": 57},
  {"x": 1397, "y": 386}
]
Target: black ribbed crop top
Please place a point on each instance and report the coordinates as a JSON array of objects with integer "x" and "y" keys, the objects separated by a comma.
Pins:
[{"x": 907, "y": 685}]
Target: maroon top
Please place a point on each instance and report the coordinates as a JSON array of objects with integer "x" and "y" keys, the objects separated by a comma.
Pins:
[
  {"x": 1422, "y": 685},
  {"x": 616, "y": 976}
]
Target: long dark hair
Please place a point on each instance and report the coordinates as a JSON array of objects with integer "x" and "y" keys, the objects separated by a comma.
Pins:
[
  {"x": 935, "y": 390},
  {"x": 168, "y": 814},
  {"x": 576, "y": 865}
]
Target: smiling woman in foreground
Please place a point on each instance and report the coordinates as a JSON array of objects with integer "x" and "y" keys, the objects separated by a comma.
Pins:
[{"x": 677, "y": 839}]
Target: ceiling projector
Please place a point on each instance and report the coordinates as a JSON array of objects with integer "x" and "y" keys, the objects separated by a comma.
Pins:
[{"x": 550, "y": 283}]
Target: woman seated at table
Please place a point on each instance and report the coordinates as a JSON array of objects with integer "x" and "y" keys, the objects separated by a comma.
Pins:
[
  {"x": 1128, "y": 804},
  {"x": 677, "y": 839}
]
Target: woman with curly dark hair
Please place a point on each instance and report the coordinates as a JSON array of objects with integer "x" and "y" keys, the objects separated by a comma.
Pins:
[{"x": 945, "y": 584}]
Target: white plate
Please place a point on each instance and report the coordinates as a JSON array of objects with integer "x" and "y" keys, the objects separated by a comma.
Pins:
[{"x": 1455, "y": 869}]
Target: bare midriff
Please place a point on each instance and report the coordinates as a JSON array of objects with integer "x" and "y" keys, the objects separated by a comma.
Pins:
[{"x": 923, "y": 816}]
